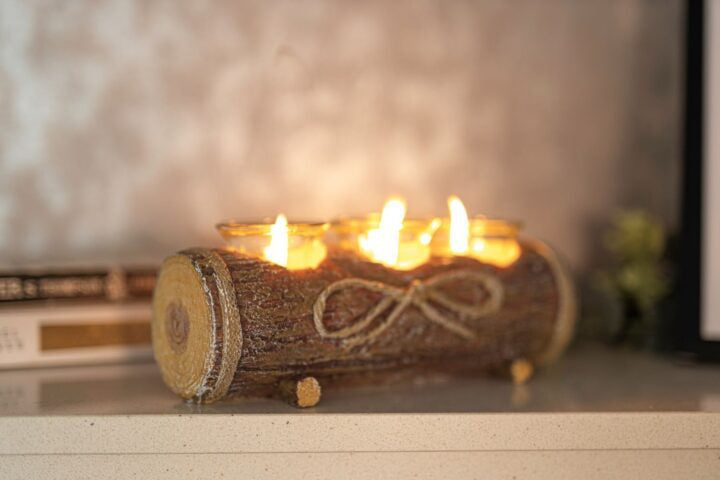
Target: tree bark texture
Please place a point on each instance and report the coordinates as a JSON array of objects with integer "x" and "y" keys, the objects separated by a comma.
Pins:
[{"x": 227, "y": 323}]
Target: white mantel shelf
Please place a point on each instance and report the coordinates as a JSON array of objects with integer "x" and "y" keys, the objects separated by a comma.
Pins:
[{"x": 600, "y": 413}]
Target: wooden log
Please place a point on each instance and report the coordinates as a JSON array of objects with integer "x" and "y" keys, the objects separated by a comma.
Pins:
[{"x": 225, "y": 323}]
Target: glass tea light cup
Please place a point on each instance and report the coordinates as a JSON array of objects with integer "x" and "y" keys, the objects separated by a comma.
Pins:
[
  {"x": 296, "y": 246},
  {"x": 489, "y": 240},
  {"x": 403, "y": 247}
]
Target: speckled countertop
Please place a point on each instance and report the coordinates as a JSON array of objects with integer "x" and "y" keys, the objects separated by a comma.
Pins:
[{"x": 599, "y": 413}]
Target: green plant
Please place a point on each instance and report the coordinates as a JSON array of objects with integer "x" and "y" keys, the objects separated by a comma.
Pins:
[{"x": 636, "y": 243}]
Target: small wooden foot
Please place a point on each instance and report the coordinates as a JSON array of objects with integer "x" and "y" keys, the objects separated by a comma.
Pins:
[
  {"x": 521, "y": 370},
  {"x": 302, "y": 393}
]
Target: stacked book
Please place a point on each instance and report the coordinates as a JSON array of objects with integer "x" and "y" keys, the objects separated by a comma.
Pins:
[{"x": 75, "y": 316}]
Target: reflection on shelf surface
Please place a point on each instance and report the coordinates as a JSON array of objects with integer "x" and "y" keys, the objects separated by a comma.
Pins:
[{"x": 587, "y": 379}]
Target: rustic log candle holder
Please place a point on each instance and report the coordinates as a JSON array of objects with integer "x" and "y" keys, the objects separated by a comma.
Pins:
[{"x": 228, "y": 323}]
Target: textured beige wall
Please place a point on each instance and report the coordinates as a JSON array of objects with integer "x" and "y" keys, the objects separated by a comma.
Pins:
[{"x": 128, "y": 128}]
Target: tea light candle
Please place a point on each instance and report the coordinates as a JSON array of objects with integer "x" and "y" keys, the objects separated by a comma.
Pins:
[
  {"x": 487, "y": 240},
  {"x": 296, "y": 246},
  {"x": 389, "y": 238},
  {"x": 396, "y": 242}
]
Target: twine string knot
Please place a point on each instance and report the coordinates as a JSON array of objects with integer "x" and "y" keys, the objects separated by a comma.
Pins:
[{"x": 421, "y": 294}]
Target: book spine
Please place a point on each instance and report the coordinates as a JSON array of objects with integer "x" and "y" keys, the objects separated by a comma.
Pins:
[
  {"x": 113, "y": 284},
  {"x": 74, "y": 334}
]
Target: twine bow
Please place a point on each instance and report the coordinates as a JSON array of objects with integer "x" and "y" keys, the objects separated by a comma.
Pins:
[{"x": 419, "y": 294}]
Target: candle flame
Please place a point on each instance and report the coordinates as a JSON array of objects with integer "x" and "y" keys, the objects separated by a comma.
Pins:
[
  {"x": 277, "y": 251},
  {"x": 459, "y": 226},
  {"x": 382, "y": 243}
]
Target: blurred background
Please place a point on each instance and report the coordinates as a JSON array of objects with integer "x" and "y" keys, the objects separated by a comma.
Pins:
[{"x": 128, "y": 129}]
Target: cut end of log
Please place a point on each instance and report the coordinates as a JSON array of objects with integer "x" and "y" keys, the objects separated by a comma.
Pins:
[
  {"x": 521, "y": 371},
  {"x": 303, "y": 393},
  {"x": 308, "y": 392},
  {"x": 196, "y": 346}
]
